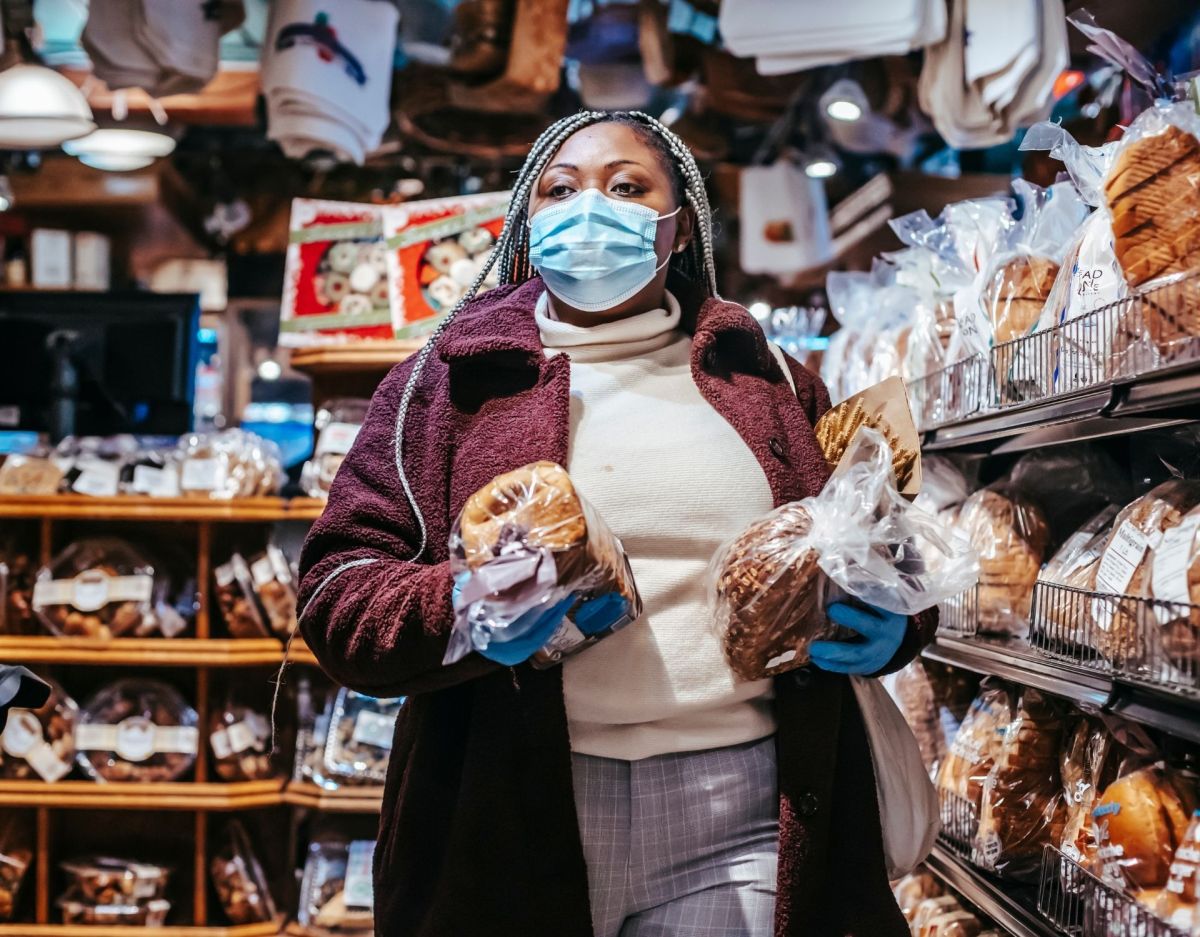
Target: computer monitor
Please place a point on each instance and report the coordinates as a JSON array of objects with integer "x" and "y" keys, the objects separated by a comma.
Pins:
[{"x": 98, "y": 363}]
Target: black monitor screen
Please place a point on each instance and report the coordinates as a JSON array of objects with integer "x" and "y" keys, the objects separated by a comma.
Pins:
[{"x": 133, "y": 357}]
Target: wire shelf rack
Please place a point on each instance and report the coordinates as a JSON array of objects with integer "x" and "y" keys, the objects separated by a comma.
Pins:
[
  {"x": 960, "y": 824},
  {"x": 959, "y": 615}
]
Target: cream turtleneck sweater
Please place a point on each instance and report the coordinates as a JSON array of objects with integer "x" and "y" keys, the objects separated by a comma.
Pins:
[{"x": 674, "y": 481}]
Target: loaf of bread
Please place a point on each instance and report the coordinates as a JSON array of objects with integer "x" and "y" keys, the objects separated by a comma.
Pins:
[
  {"x": 1062, "y": 613},
  {"x": 1179, "y": 902},
  {"x": 1175, "y": 582},
  {"x": 914, "y": 694},
  {"x": 1016, "y": 293},
  {"x": 976, "y": 746},
  {"x": 1022, "y": 806},
  {"x": 914, "y": 888},
  {"x": 1139, "y": 823},
  {"x": 1125, "y": 631},
  {"x": 1010, "y": 535},
  {"x": 1154, "y": 200}
]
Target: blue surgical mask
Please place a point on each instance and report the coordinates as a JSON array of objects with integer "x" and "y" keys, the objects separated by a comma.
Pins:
[{"x": 595, "y": 252}]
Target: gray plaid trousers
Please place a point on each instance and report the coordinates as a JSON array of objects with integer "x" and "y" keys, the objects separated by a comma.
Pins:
[{"x": 681, "y": 845}]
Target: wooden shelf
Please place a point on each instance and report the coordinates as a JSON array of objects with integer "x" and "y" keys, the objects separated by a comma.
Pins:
[
  {"x": 166, "y": 795},
  {"x": 141, "y": 508},
  {"x": 270, "y": 929},
  {"x": 144, "y": 652},
  {"x": 343, "y": 800},
  {"x": 299, "y": 652},
  {"x": 353, "y": 356}
]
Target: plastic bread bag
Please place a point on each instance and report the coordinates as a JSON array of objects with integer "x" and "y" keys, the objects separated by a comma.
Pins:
[
  {"x": 1126, "y": 631},
  {"x": 239, "y": 880},
  {"x": 1070, "y": 484},
  {"x": 943, "y": 485},
  {"x": 913, "y": 693},
  {"x": 337, "y": 424},
  {"x": 1010, "y": 535},
  {"x": 1022, "y": 808},
  {"x": 850, "y": 295},
  {"x": 359, "y": 741},
  {"x": 977, "y": 745},
  {"x": 529, "y": 541},
  {"x": 1179, "y": 902},
  {"x": 336, "y": 889},
  {"x": 1061, "y": 616},
  {"x": 859, "y": 535},
  {"x": 1095, "y": 751},
  {"x": 914, "y": 888},
  {"x": 1175, "y": 586},
  {"x": 39, "y": 744},
  {"x": 1139, "y": 823},
  {"x": 233, "y": 463}
]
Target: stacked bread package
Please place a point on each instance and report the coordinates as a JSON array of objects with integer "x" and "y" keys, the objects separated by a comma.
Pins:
[
  {"x": 1175, "y": 585},
  {"x": 1061, "y": 616},
  {"x": 1022, "y": 807},
  {"x": 526, "y": 541},
  {"x": 977, "y": 745},
  {"x": 1088, "y": 765},
  {"x": 1179, "y": 902}
]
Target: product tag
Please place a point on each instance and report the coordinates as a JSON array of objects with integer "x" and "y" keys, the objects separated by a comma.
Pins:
[
  {"x": 241, "y": 737},
  {"x": 156, "y": 482},
  {"x": 261, "y": 571},
  {"x": 23, "y": 731},
  {"x": 90, "y": 591},
  {"x": 97, "y": 478},
  {"x": 220, "y": 744},
  {"x": 258, "y": 725},
  {"x": 566, "y": 639},
  {"x": 376, "y": 729},
  {"x": 202, "y": 475},
  {"x": 1169, "y": 573},
  {"x": 1121, "y": 559},
  {"x": 137, "y": 738},
  {"x": 358, "y": 885},
  {"x": 337, "y": 438},
  {"x": 182, "y": 740},
  {"x": 47, "y": 764},
  {"x": 92, "y": 737}
]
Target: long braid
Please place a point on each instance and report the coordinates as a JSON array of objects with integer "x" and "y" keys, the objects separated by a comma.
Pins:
[{"x": 512, "y": 249}]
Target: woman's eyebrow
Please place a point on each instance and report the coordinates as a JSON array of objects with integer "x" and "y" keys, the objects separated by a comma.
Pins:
[
  {"x": 570, "y": 166},
  {"x": 622, "y": 162}
]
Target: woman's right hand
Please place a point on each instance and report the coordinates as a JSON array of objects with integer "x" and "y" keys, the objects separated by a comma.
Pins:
[{"x": 526, "y": 635}]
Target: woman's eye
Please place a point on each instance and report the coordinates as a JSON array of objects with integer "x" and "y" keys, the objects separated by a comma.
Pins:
[
  {"x": 561, "y": 190},
  {"x": 627, "y": 188}
]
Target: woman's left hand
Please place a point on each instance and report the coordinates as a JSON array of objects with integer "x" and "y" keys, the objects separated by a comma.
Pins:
[{"x": 882, "y": 631}]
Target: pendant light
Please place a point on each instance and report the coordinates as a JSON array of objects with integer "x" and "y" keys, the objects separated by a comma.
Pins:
[
  {"x": 120, "y": 149},
  {"x": 40, "y": 109}
]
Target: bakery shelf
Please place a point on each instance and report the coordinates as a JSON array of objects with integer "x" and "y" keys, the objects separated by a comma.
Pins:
[
  {"x": 1013, "y": 907},
  {"x": 137, "y": 507},
  {"x": 298, "y": 652},
  {"x": 1014, "y": 660},
  {"x": 174, "y": 795},
  {"x": 343, "y": 800},
  {"x": 144, "y": 652},
  {"x": 354, "y": 356},
  {"x": 269, "y": 929}
]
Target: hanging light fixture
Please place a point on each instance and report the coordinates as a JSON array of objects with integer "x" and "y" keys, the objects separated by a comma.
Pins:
[
  {"x": 120, "y": 149},
  {"x": 821, "y": 162},
  {"x": 40, "y": 109},
  {"x": 844, "y": 100}
]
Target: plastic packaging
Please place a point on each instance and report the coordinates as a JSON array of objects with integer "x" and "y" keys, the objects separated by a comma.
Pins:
[
  {"x": 136, "y": 730},
  {"x": 1070, "y": 484},
  {"x": 529, "y": 540},
  {"x": 943, "y": 485},
  {"x": 17, "y": 569},
  {"x": 31, "y": 474},
  {"x": 359, "y": 741},
  {"x": 148, "y": 914},
  {"x": 767, "y": 590},
  {"x": 312, "y": 732},
  {"x": 932, "y": 908},
  {"x": 236, "y": 597},
  {"x": 335, "y": 893},
  {"x": 337, "y": 424},
  {"x": 230, "y": 464},
  {"x": 105, "y": 880},
  {"x": 16, "y": 854},
  {"x": 1121, "y": 630},
  {"x": 1175, "y": 579},
  {"x": 914, "y": 888},
  {"x": 239, "y": 881},
  {"x": 1022, "y": 807},
  {"x": 39, "y": 744},
  {"x": 92, "y": 465},
  {"x": 977, "y": 745},
  {"x": 275, "y": 588},
  {"x": 1010, "y": 534},
  {"x": 1179, "y": 903},
  {"x": 1087, "y": 766},
  {"x": 1063, "y": 614},
  {"x": 101, "y": 588},
  {"x": 151, "y": 472},
  {"x": 240, "y": 738},
  {"x": 1139, "y": 823}
]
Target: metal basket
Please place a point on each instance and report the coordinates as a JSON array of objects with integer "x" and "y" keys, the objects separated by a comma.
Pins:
[
  {"x": 960, "y": 823},
  {"x": 959, "y": 615},
  {"x": 1082, "y": 905},
  {"x": 1141, "y": 640},
  {"x": 952, "y": 393}
]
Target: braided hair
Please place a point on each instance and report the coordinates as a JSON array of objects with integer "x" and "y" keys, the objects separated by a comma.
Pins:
[{"x": 695, "y": 263}]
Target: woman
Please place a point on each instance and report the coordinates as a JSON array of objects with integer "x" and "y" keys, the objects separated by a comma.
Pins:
[{"x": 639, "y": 789}]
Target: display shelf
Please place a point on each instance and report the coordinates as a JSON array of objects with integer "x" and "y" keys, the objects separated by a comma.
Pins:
[
  {"x": 298, "y": 652},
  {"x": 167, "y": 795},
  {"x": 141, "y": 652},
  {"x": 269, "y": 929},
  {"x": 343, "y": 800},
  {"x": 1013, "y": 907},
  {"x": 1014, "y": 660},
  {"x": 141, "y": 508},
  {"x": 353, "y": 356}
]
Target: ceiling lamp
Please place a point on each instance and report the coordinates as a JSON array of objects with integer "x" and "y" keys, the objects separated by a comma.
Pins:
[
  {"x": 40, "y": 109},
  {"x": 821, "y": 162},
  {"x": 119, "y": 149},
  {"x": 844, "y": 100}
]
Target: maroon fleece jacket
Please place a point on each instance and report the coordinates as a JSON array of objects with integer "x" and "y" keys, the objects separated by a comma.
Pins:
[{"x": 478, "y": 834}]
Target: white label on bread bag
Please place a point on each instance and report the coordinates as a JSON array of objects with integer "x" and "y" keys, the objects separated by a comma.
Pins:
[
  {"x": 375, "y": 729},
  {"x": 46, "y": 763},
  {"x": 337, "y": 438},
  {"x": 202, "y": 475},
  {"x": 221, "y": 745},
  {"x": 156, "y": 482},
  {"x": 1172, "y": 559},
  {"x": 97, "y": 478},
  {"x": 176, "y": 740},
  {"x": 1120, "y": 561},
  {"x": 358, "y": 885}
]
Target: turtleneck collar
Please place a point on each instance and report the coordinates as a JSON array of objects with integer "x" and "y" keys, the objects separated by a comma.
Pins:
[{"x": 609, "y": 341}]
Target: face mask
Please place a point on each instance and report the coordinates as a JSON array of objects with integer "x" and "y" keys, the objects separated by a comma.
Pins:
[{"x": 595, "y": 252}]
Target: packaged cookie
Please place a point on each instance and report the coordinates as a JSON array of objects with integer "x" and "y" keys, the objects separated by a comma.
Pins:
[
  {"x": 98, "y": 588},
  {"x": 24, "y": 475},
  {"x": 336, "y": 892},
  {"x": 40, "y": 743},
  {"x": 230, "y": 464},
  {"x": 337, "y": 424},
  {"x": 275, "y": 587},
  {"x": 136, "y": 730},
  {"x": 239, "y": 881},
  {"x": 16, "y": 854},
  {"x": 237, "y": 599},
  {"x": 359, "y": 741},
  {"x": 240, "y": 738},
  {"x": 1010, "y": 535},
  {"x": 76, "y": 910},
  {"x": 106, "y": 880}
]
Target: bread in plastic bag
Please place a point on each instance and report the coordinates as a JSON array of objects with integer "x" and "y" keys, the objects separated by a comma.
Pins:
[
  {"x": 1062, "y": 614},
  {"x": 39, "y": 744},
  {"x": 529, "y": 540},
  {"x": 97, "y": 588},
  {"x": 1179, "y": 902},
  {"x": 337, "y": 424},
  {"x": 233, "y": 463},
  {"x": 1125, "y": 631},
  {"x": 860, "y": 534},
  {"x": 1175, "y": 582},
  {"x": 914, "y": 888},
  {"x": 239, "y": 881},
  {"x": 1070, "y": 484},
  {"x": 943, "y": 485},
  {"x": 1087, "y": 765},
  {"x": 1139, "y": 823},
  {"x": 1010, "y": 535},
  {"x": 977, "y": 745},
  {"x": 136, "y": 730},
  {"x": 1022, "y": 808}
]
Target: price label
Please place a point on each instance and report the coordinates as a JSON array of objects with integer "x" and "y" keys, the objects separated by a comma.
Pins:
[
  {"x": 359, "y": 889},
  {"x": 156, "y": 482},
  {"x": 337, "y": 438},
  {"x": 202, "y": 475},
  {"x": 97, "y": 478},
  {"x": 375, "y": 729}
]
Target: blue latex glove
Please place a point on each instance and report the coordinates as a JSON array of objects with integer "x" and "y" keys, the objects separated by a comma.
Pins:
[
  {"x": 530, "y": 633},
  {"x": 882, "y": 630}
]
